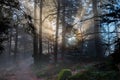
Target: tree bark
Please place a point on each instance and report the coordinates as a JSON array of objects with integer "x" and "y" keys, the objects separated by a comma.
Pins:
[
  {"x": 35, "y": 35},
  {"x": 63, "y": 29},
  {"x": 56, "y": 34},
  {"x": 98, "y": 47},
  {"x": 16, "y": 42},
  {"x": 10, "y": 41},
  {"x": 40, "y": 29}
]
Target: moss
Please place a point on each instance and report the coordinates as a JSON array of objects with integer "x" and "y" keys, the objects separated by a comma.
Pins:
[
  {"x": 96, "y": 75},
  {"x": 64, "y": 74}
]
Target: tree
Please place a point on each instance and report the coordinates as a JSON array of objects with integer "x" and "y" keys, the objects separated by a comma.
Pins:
[
  {"x": 63, "y": 26},
  {"x": 112, "y": 16},
  {"x": 6, "y": 10},
  {"x": 56, "y": 34},
  {"x": 10, "y": 40},
  {"x": 98, "y": 47},
  {"x": 40, "y": 29},
  {"x": 35, "y": 35},
  {"x": 16, "y": 41}
]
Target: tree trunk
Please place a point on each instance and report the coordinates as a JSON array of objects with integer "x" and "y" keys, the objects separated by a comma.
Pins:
[
  {"x": 35, "y": 37},
  {"x": 98, "y": 47},
  {"x": 48, "y": 47},
  {"x": 63, "y": 29},
  {"x": 40, "y": 29},
  {"x": 10, "y": 41},
  {"x": 16, "y": 42},
  {"x": 56, "y": 34}
]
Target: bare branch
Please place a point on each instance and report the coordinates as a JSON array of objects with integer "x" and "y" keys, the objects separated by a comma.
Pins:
[{"x": 48, "y": 16}]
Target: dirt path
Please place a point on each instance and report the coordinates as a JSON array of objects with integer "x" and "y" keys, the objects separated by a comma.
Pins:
[{"x": 21, "y": 70}]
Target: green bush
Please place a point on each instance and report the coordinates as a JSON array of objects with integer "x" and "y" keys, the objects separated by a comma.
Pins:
[{"x": 64, "y": 74}]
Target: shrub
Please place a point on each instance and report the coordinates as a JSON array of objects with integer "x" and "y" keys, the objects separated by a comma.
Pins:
[{"x": 64, "y": 74}]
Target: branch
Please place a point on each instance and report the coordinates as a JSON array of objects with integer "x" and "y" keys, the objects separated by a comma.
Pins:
[
  {"x": 114, "y": 14},
  {"x": 48, "y": 16},
  {"x": 15, "y": 5}
]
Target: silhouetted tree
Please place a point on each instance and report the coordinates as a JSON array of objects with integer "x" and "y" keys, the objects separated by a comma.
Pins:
[
  {"x": 56, "y": 34},
  {"x": 98, "y": 42},
  {"x": 111, "y": 16},
  {"x": 40, "y": 29},
  {"x": 6, "y": 18}
]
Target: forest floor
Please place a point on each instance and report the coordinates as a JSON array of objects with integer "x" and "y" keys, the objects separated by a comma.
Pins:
[
  {"x": 17, "y": 70},
  {"x": 50, "y": 71},
  {"x": 23, "y": 69}
]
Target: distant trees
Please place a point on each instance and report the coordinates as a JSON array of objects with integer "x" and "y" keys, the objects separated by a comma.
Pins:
[
  {"x": 65, "y": 15},
  {"x": 68, "y": 18}
]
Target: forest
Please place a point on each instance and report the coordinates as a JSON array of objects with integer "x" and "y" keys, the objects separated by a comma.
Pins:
[{"x": 59, "y": 39}]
